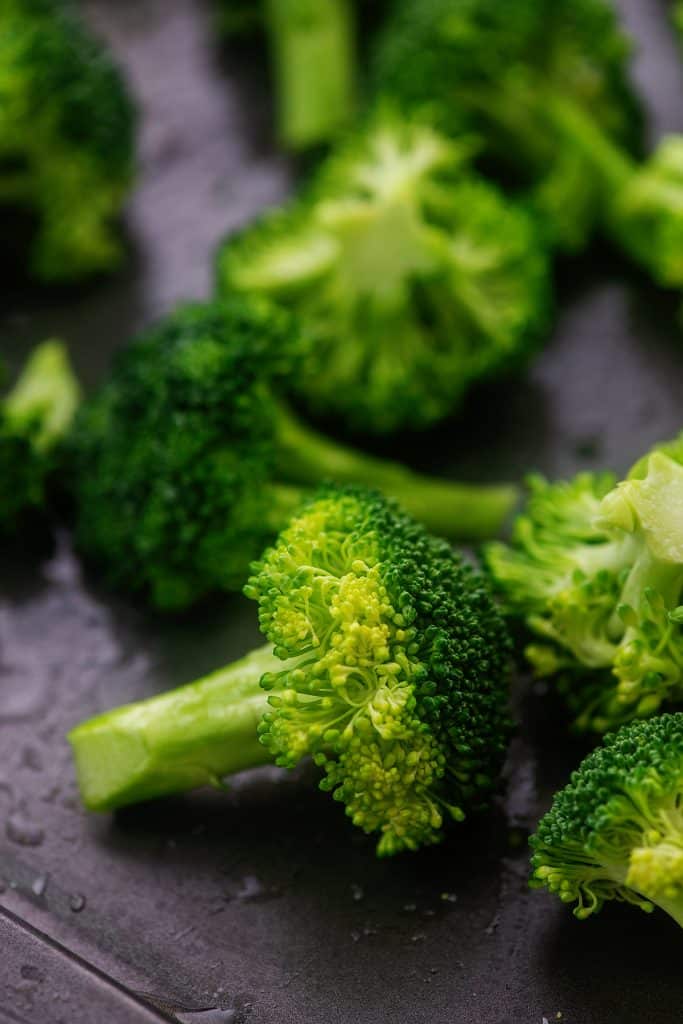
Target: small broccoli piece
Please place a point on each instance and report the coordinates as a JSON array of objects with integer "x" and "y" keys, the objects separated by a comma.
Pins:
[
  {"x": 615, "y": 832},
  {"x": 386, "y": 663},
  {"x": 596, "y": 572},
  {"x": 540, "y": 83},
  {"x": 186, "y": 463},
  {"x": 411, "y": 278},
  {"x": 313, "y": 52},
  {"x": 34, "y": 417},
  {"x": 66, "y": 137}
]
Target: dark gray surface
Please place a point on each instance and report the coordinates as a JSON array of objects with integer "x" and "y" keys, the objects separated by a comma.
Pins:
[{"x": 263, "y": 901}]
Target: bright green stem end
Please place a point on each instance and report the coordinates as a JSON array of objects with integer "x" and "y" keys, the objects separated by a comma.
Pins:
[
  {"x": 45, "y": 398},
  {"x": 455, "y": 510},
  {"x": 312, "y": 42},
  {"x": 190, "y": 737}
]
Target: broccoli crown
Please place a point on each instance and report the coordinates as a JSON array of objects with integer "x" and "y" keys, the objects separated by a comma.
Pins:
[
  {"x": 616, "y": 830},
  {"x": 395, "y": 666},
  {"x": 504, "y": 71},
  {"x": 66, "y": 135},
  {"x": 33, "y": 419},
  {"x": 597, "y": 573},
  {"x": 172, "y": 457},
  {"x": 410, "y": 279},
  {"x": 647, "y": 213}
]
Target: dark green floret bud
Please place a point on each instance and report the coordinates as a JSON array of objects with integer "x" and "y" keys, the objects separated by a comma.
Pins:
[
  {"x": 615, "y": 832},
  {"x": 412, "y": 278},
  {"x": 596, "y": 573},
  {"x": 386, "y": 663},
  {"x": 66, "y": 137}
]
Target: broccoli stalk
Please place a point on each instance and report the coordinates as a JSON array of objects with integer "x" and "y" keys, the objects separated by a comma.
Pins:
[
  {"x": 616, "y": 830},
  {"x": 187, "y": 463},
  {"x": 312, "y": 44},
  {"x": 596, "y": 572},
  {"x": 386, "y": 663},
  {"x": 34, "y": 418}
]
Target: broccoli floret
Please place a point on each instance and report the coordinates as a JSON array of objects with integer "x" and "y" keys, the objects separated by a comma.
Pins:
[
  {"x": 543, "y": 84},
  {"x": 616, "y": 831},
  {"x": 66, "y": 137},
  {"x": 386, "y": 663},
  {"x": 313, "y": 53},
  {"x": 596, "y": 571},
  {"x": 34, "y": 417},
  {"x": 411, "y": 278},
  {"x": 186, "y": 463}
]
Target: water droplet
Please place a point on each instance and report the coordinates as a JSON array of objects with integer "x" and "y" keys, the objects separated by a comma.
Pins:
[
  {"x": 357, "y": 893},
  {"x": 31, "y": 973},
  {"x": 23, "y": 831},
  {"x": 409, "y": 908},
  {"x": 449, "y": 897},
  {"x": 355, "y": 936},
  {"x": 77, "y": 902},
  {"x": 31, "y": 759},
  {"x": 418, "y": 937},
  {"x": 39, "y": 886}
]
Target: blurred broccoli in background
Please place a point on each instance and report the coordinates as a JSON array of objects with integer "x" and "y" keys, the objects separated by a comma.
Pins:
[
  {"x": 186, "y": 464},
  {"x": 595, "y": 569},
  {"x": 313, "y": 52},
  {"x": 34, "y": 418},
  {"x": 411, "y": 277},
  {"x": 541, "y": 83},
  {"x": 66, "y": 137}
]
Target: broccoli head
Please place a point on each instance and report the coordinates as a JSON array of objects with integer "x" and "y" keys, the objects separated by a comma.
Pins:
[
  {"x": 411, "y": 278},
  {"x": 615, "y": 832},
  {"x": 545, "y": 85},
  {"x": 66, "y": 137},
  {"x": 34, "y": 417},
  {"x": 386, "y": 663},
  {"x": 186, "y": 463},
  {"x": 596, "y": 572}
]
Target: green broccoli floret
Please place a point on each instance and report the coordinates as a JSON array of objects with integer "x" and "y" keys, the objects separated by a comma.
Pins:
[
  {"x": 596, "y": 572},
  {"x": 411, "y": 278},
  {"x": 545, "y": 85},
  {"x": 616, "y": 831},
  {"x": 66, "y": 137},
  {"x": 186, "y": 463},
  {"x": 34, "y": 417},
  {"x": 313, "y": 53},
  {"x": 386, "y": 663}
]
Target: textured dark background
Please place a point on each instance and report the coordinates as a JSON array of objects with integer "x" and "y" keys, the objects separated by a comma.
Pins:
[{"x": 263, "y": 903}]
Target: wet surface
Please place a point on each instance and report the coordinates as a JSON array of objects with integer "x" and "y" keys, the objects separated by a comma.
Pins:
[{"x": 262, "y": 903}]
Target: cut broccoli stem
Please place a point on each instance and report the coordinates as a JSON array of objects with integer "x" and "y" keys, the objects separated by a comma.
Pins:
[
  {"x": 312, "y": 43},
  {"x": 46, "y": 396},
  {"x": 456, "y": 510},
  {"x": 190, "y": 737}
]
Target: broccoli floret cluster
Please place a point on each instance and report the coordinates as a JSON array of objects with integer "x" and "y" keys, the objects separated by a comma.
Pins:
[
  {"x": 66, "y": 137},
  {"x": 546, "y": 86},
  {"x": 615, "y": 832},
  {"x": 388, "y": 667},
  {"x": 186, "y": 463},
  {"x": 596, "y": 572},
  {"x": 411, "y": 278},
  {"x": 34, "y": 417}
]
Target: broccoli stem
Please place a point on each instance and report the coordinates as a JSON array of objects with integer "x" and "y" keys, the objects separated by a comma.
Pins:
[
  {"x": 45, "y": 398},
  {"x": 454, "y": 510},
  {"x": 192, "y": 736},
  {"x": 312, "y": 43}
]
